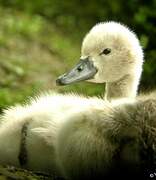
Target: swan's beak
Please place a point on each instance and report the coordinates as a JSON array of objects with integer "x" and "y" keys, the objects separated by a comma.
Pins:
[{"x": 84, "y": 70}]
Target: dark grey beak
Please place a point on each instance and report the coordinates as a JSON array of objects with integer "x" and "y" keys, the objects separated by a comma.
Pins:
[{"x": 84, "y": 70}]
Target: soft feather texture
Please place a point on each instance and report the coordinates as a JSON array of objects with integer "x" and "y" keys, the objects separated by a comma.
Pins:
[
  {"x": 70, "y": 134},
  {"x": 115, "y": 141},
  {"x": 121, "y": 69}
]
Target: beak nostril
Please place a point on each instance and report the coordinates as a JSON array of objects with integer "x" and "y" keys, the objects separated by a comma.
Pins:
[{"x": 80, "y": 68}]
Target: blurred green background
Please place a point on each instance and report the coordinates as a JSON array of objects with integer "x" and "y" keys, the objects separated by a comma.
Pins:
[{"x": 41, "y": 39}]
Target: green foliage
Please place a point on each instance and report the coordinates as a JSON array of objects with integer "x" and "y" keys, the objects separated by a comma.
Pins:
[
  {"x": 27, "y": 41},
  {"x": 18, "y": 96}
]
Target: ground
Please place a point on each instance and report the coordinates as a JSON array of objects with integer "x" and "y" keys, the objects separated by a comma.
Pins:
[{"x": 12, "y": 173}]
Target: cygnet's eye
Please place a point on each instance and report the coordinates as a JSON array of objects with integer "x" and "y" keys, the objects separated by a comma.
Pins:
[{"x": 106, "y": 51}]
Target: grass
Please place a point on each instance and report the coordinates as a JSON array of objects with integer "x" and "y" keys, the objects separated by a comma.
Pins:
[{"x": 33, "y": 53}]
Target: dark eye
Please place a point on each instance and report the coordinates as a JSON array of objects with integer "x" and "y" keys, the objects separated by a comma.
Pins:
[{"x": 106, "y": 51}]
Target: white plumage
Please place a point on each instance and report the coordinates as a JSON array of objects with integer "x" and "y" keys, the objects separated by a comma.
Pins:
[{"x": 64, "y": 129}]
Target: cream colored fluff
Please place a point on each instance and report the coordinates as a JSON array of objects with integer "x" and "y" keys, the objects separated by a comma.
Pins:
[{"x": 51, "y": 112}]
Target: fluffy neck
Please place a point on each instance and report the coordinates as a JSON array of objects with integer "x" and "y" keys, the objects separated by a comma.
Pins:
[{"x": 126, "y": 87}]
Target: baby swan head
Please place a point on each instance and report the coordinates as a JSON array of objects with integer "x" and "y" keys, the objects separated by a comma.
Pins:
[{"x": 109, "y": 52}]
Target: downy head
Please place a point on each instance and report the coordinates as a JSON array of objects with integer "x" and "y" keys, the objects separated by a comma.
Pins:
[{"x": 110, "y": 51}]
